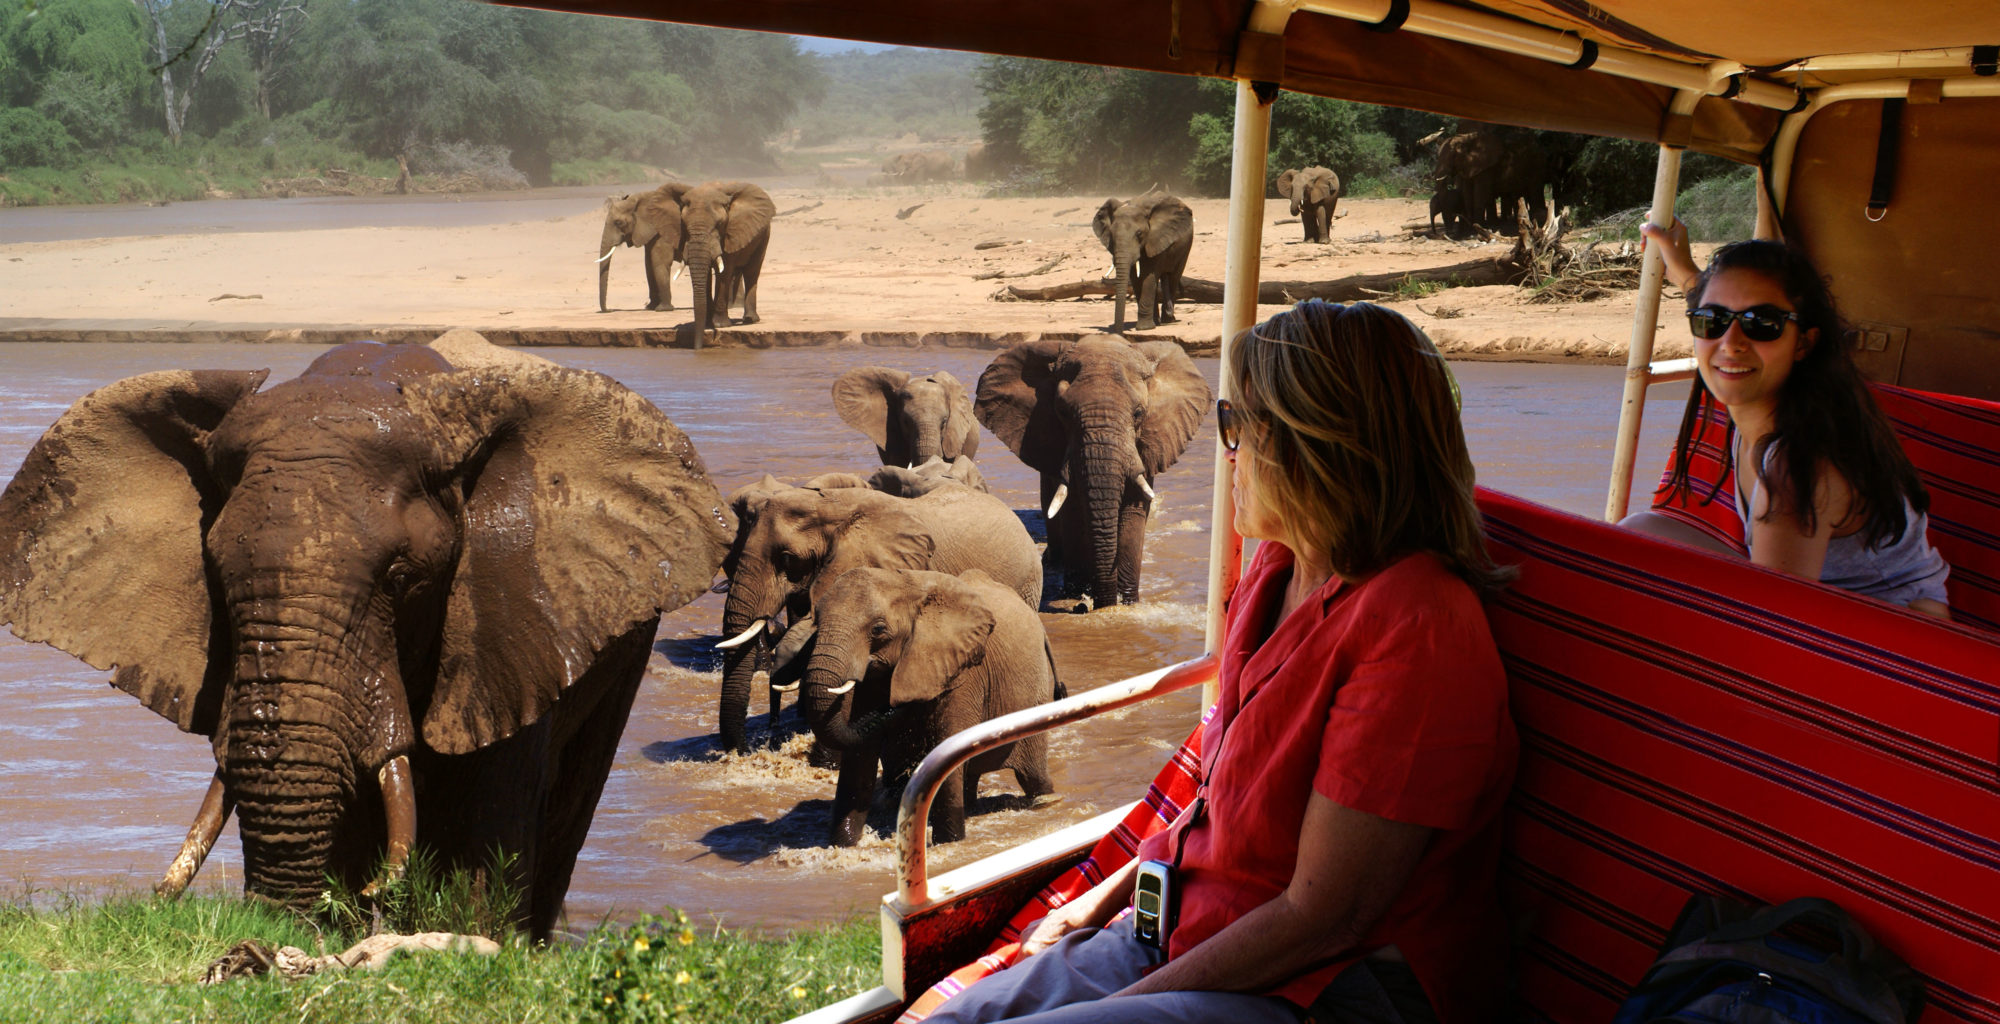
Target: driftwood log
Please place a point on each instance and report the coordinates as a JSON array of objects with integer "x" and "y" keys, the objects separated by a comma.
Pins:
[{"x": 1358, "y": 287}]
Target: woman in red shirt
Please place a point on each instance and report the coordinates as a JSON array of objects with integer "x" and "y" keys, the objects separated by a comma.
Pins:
[{"x": 1340, "y": 862}]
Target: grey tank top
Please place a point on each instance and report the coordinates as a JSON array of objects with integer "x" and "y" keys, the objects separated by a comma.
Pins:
[{"x": 1899, "y": 573}]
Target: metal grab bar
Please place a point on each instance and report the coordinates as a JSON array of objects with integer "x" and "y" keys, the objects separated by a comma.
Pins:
[{"x": 912, "y": 878}]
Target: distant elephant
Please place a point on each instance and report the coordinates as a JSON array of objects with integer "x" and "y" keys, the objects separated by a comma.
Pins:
[
  {"x": 409, "y": 604},
  {"x": 726, "y": 227},
  {"x": 1148, "y": 238},
  {"x": 980, "y": 163},
  {"x": 1523, "y": 175},
  {"x": 902, "y": 659},
  {"x": 1314, "y": 192},
  {"x": 1447, "y": 202},
  {"x": 925, "y": 477},
  {"x": 1099, "y": 419},
  {"x": 798, "y": 540},
  {"x": 926, "y": 165},
  {"x": 651, "y": 220},
  {"x": 910, "y": 419},
  {"x": 1471, "y": 161}
]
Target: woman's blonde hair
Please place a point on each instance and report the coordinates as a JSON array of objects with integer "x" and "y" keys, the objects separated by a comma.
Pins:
[{"x": 1351, "y": 420}]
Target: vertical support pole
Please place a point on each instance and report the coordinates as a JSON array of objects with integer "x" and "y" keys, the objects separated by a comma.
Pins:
[
  {"x": 1639, "y": 358},
  {"x": 1239, "y": 312}
]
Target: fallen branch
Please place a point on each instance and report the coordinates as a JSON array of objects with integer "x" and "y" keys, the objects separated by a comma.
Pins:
[
  {"x": 904, "y": 214},
  {"x": 1043, "y": 269},
  {"x": 1473, "y": 273},
  {"x": 233, "y": 295},
  {"x": 999, "y": 243},
  {"x": 799, "y": 209}
]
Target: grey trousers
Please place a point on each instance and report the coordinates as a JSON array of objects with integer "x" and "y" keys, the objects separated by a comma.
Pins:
[{"x": 1067, "y": 982}]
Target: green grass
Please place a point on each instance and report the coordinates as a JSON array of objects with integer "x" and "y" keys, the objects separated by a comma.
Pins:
[
  {"x": 135, "y": 958},
  {"x": 606, "y": 171},
  {"x": 1718, "y": 209},
  {"x": 1410, "y": 288}
]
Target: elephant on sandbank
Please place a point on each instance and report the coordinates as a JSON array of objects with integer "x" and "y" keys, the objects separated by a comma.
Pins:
[
  {"x": 1149, "y": 238},
  {"x": 1314, "y": 192},
  {"x": 920, "y": 166},
  {"x": 793, "y": 542},
  {"x": 410, "y": 603},
  {"x": 1099, "y": 419},
  {"x": 901, "y": 659},
  {"x": 650, "y": 220}
]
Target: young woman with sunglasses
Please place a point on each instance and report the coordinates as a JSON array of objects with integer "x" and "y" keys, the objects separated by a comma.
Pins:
[
  {"x": 1831, "y": 496},
  {"x": 1343, "y": 850}
]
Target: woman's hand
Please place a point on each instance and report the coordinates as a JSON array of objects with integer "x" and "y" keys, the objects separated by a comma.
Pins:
[{"x": 1674, "y": 251}]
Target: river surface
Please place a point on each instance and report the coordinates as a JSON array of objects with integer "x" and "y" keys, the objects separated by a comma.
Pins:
[{"x": 96, "y": 792}]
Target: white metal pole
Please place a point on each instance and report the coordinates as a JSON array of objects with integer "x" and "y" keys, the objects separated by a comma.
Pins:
[{"x": 1239, "y": 312}]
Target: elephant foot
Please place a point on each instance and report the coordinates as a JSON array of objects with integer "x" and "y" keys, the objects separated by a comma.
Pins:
[
  {"x": 1145, "y": 326},
  {"x": 847, "y": 828},
  {"x": 822, "y": 756},
  {"x": 750, "y": 318},
  {"x": 661, "y": 307}
]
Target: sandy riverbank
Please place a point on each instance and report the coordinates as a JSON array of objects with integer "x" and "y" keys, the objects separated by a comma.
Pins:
[{"x": 842, "y": 267}]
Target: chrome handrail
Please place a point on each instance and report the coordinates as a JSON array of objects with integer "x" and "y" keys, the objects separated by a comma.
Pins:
[{"x": 912, "y": 878}]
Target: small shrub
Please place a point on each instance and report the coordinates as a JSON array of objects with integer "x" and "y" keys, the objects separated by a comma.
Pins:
[
  {"x": 428, "y": 898},
  {"x": 30, "y": 138}
]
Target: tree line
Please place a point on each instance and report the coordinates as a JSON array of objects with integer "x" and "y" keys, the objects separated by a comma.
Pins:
[{"x": 83, "y": 80}]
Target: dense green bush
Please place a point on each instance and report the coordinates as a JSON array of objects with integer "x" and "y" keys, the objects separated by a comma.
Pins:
[{"x": 30, "y": 138}]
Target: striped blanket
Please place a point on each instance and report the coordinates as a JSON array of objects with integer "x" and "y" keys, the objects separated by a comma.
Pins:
[
  {"x": 1694, "y": 723},
  {"x": 1955, "y": 444}
]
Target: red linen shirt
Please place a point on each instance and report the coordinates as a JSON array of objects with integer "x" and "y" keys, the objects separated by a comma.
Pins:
[{"x": 1387, "y": 697}]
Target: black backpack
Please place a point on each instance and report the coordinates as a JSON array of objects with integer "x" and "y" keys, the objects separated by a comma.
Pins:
[{"x": 1730, "y": 962}]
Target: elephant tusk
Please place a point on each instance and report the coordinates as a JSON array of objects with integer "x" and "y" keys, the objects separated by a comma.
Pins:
[
  {"x": 678, "y": 271},
  {"x": 399, "y": 805},
  {"x": 208, "y": 821},
  {"x": 607, "y": 254},
  {"x": 787, "y": 688},
  {"x": 1146, "y": 487},
  {"x": 741, "y": 638},
  {"x": 842, "y": 688},
  {"x": 1056, "y": 503}
]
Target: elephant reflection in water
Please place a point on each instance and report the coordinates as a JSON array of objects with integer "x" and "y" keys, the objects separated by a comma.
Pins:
[{"x": 409, "y": 603}]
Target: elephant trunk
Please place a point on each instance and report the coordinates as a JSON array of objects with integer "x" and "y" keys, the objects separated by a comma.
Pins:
[
  {"x": 701, "y": 267},
  {"x": 1102, "y": 462},
  {"x": 929, "y": 442},
  {"x": 605, "y": 245},
  {"x": 753, "y": 600},
  {"x": 310, "y": 718},
  {"x": 1121, "y": 262},
  {"x": 830, "y": 694}
]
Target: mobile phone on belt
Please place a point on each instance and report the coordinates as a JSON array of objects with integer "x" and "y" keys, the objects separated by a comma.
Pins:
[{"x": 1153, "y": 903}]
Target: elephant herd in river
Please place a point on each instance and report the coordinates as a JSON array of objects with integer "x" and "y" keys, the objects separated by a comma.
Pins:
[{"x": 410, "y": 594}]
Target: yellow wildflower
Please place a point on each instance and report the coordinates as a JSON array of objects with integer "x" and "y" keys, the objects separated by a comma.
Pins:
[
  {"x": 798, "y": 992},
  {"x": 641, "y": 945},
  {"x": 683, "y": 978},
  {"x": 686, "y": 936}
]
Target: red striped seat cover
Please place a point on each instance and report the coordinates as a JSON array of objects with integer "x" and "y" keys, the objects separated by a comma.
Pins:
[{"x": 1694, "y": 723}]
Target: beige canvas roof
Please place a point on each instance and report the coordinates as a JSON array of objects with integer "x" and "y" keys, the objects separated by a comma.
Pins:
[{"x": 1920, "y": 278}]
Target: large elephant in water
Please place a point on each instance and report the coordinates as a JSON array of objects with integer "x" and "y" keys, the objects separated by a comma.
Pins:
[
  {"x": 793, "y": 542},
  {"x": 910, "y": 419},
  {"x": 1099, "y": 419},
  {"x": 408, "y": 603},
  {"x": 1148, "y": 238},
  {"x": 651, "y": 221}
]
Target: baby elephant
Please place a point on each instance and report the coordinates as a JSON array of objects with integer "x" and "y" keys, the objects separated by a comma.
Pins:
[{"x": 902, "y": 659}]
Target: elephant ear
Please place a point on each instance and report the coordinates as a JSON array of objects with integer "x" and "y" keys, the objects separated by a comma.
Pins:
[
  {"x": 866, "y": 528},
  {"x": 657, "y": 215},
  {"x": 1284, "y": 183},
  {"x": 1100, "y": 223},
  {"x": 1177, "y": 397},
  {"x": 947, "y": 637},
  {"x": 962, "y": 439},
  {"x": 101, "y": 538},
  {"x": 1170, "y": 226},
  {"x": 745, "y": 505},
  {"x": 1011, "y": 403},
  {"x": 750, "y": 214},
  {"x": 587, "y": 513},
  {"x": 861, "y": 397}
]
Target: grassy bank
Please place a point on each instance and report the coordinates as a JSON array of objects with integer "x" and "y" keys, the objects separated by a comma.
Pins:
[{"x": 135, "y": 958}]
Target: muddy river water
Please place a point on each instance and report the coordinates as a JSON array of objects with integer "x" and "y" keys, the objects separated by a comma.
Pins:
[{"x": 96, "y": 791}]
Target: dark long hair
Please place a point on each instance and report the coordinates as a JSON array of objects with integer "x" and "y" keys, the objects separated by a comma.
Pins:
[
  {"x": 1826, "y": 415},
  {"x": 1359, "y": 449}
]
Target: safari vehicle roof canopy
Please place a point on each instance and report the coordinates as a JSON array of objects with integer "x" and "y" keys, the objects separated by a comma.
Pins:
[{"x": 1794, "y": 84}]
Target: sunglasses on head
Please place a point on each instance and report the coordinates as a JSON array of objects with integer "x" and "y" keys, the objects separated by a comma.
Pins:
[{"x": 1759, "y": 323}]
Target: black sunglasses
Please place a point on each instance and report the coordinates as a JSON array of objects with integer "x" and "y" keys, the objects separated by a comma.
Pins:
[
  {"x": 1226, "y": 426},
  {"x": 1760, "y": 323}
]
